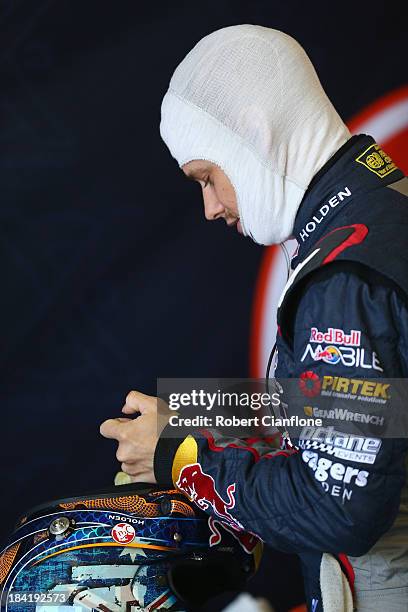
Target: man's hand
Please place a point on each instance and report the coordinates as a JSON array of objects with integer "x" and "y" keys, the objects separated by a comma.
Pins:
[{"x": 138, "y": 437}]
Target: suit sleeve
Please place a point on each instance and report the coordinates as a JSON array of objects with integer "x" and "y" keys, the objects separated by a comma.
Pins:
[{"x": 314, "y": 498}]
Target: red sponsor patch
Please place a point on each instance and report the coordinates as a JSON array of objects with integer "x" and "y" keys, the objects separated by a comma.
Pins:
[
  {"x": 333, "y": 335},
  {"x": 123, "y": 533},
  {"x": 309, "y": 383}
]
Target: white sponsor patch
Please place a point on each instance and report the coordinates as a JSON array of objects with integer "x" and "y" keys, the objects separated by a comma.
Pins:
[
  {"x": 346, "y": 355},
  {"x": 360, "y": 449},
  {"x": 323, "y": 211},
  {"x": 325, "y": 468},
  {"x": 346, "y": 475}
]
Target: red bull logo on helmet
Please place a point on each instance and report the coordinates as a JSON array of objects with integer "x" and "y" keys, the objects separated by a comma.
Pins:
[
  {"x": 123, "y": 533},
  {"x": 200, "y": 488}
]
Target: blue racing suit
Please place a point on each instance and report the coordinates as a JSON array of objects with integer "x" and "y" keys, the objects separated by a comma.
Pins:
[{"x": 343, "y": 319}]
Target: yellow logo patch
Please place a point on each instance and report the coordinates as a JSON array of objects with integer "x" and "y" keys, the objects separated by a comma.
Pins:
[{"x": 376, "y": 160}]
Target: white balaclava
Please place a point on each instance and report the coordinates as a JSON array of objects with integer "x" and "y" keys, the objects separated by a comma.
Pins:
[{"x": 248, "y": 99}]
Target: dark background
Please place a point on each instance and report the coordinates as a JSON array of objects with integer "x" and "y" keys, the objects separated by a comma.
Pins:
[{"x": 110, "y": 274}]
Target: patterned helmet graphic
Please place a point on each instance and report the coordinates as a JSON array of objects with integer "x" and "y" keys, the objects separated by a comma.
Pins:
[{"x": 128, "y": 549}]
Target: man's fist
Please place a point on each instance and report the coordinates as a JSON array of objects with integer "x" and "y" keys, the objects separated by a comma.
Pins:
[{"x": 138, "y": 437}]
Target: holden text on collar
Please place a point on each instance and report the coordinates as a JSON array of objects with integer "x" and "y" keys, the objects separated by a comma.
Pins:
[{"x": 323, "y": 212}]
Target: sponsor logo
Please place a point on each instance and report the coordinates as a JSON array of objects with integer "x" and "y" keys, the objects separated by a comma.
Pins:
[
  {"x": 344, "y": 388},
  {"x": 123, "y": 533},
  {"x": 333, "y": 476},
  {"x": 335, "y": 336},
  {"x": 124, "y": 519},
  {"x": 323, "y": 212},
  {"x": 330, "y": 354},
  {"x": 374, "y": 160},
  {"x": 355, "y": 389},
  {"x": 309, "y": 383},
  {"x": 326, "y": 468},
  {"x": 200, "y": 488},
  {"x": 346, "y": 355},
  {"x": 340, "y": 445},
  {"x": 377, "y": 161},
  {"x": 342, "y": 414}
]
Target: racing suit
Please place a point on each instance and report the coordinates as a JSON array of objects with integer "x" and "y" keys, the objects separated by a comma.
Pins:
[{"x": 346, "y": 302}]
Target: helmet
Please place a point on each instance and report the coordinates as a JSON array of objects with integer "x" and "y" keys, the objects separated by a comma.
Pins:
[{"x": 130, "y": 548}]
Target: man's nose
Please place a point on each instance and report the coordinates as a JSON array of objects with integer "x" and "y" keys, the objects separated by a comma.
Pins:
[{"x": 213, "y": 209}]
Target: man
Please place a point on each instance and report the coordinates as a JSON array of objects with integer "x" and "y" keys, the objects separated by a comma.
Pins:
[{"x": 246, "y": 116}]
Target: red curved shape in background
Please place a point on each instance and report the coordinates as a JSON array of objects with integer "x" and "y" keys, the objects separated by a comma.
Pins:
[
  {"x": 268, "y": 259},
  {"x": 386, "y": 120}
]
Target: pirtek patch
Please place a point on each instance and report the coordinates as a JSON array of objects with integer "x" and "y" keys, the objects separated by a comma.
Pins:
[{"x": 356, "y": 386}]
